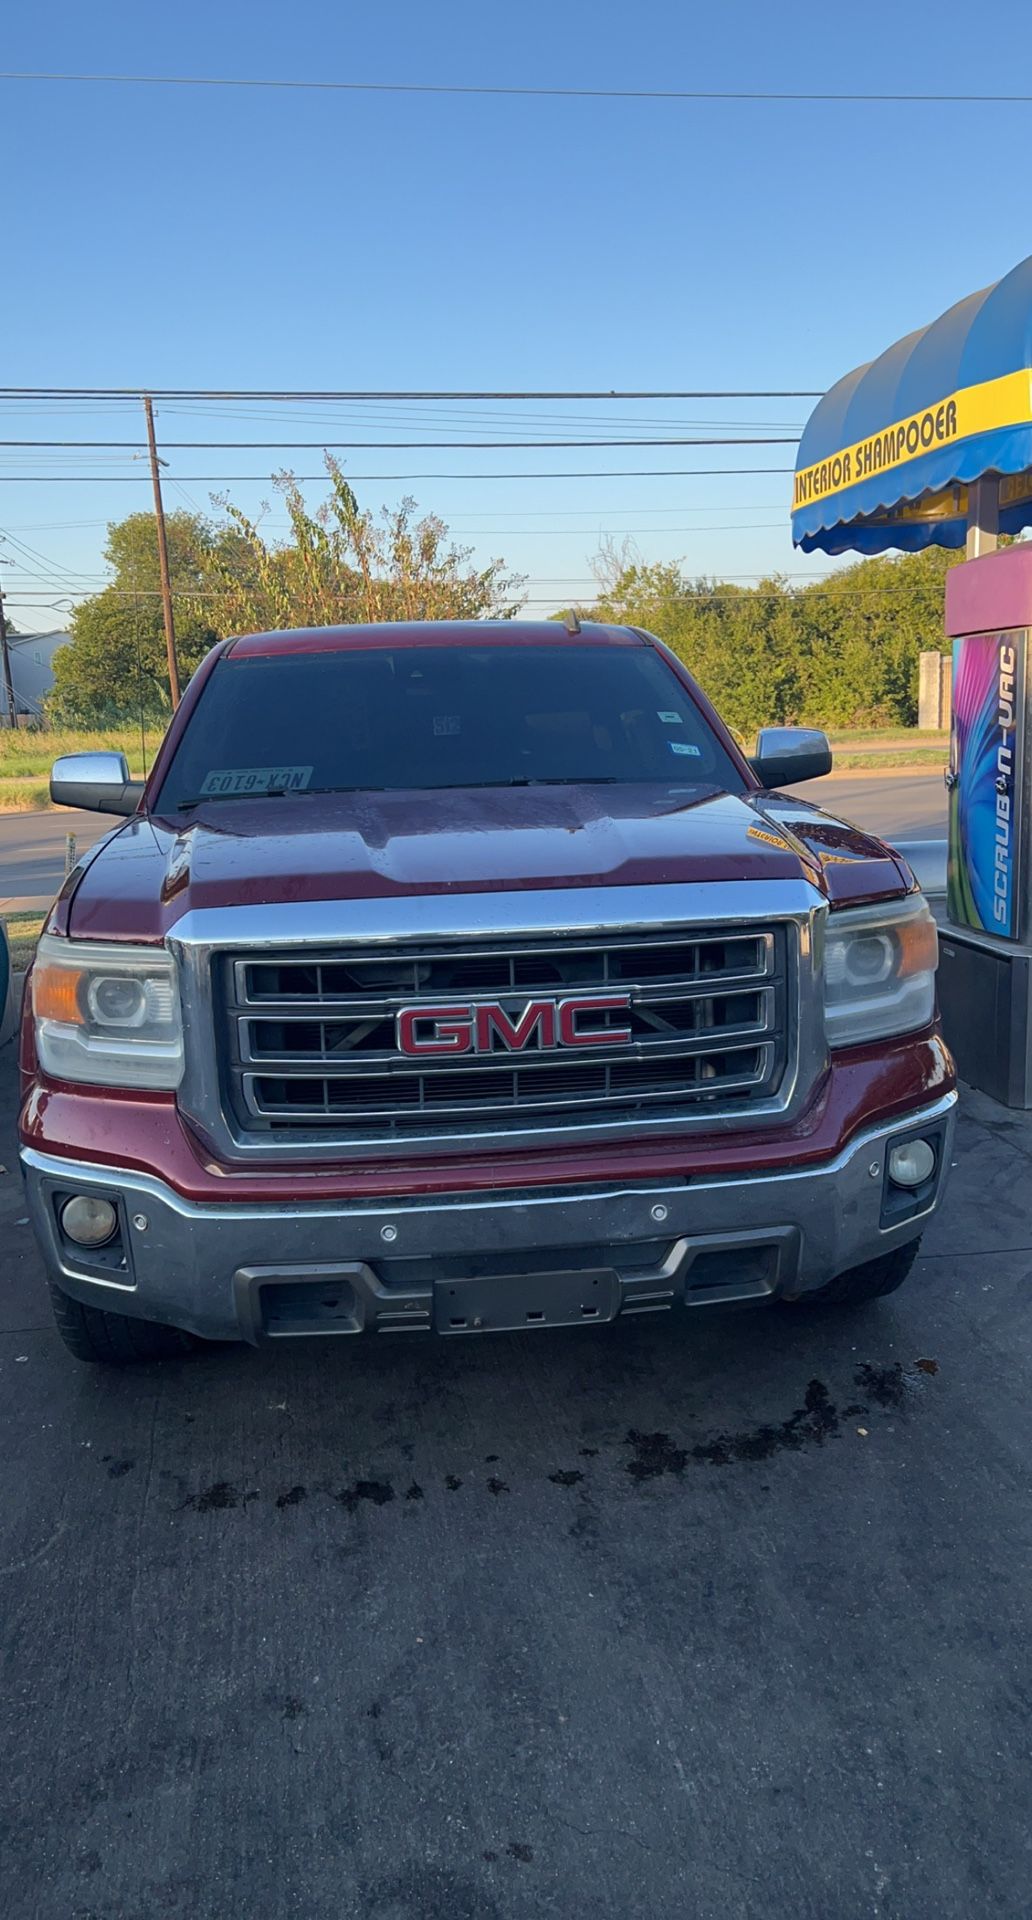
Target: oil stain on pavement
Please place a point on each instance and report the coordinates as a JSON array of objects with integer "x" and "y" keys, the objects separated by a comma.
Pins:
[{"x": 643, "y": 1456}]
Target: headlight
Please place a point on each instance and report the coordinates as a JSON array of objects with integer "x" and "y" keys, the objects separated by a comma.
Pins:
[
  {"x": 108, "y": 1015},
  {"x": 879, "y": 971}
]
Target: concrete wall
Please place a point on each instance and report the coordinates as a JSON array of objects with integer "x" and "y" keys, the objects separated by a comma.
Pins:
[{"x": 934, "y": 688}]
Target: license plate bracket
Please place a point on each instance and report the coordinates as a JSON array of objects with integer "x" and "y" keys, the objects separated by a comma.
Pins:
[{"x": 507, "y": 1302}]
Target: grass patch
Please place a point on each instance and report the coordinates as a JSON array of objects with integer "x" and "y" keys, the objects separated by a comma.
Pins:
[
  {"x": 849, "y": 738},
  {"x": 23, "y": 931},
  {"x": 24, "y": 753},
  {"x": 24, "y": 796},
  {"x": 884, "y": 762}
]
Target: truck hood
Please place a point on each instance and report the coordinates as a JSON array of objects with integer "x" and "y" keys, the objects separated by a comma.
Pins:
[{"x": 263, "y": 852}]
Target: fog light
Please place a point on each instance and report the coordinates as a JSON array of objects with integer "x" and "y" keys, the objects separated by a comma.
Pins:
[
  {"x": 912, "y": 1164},
  {"x": 88, "y": 1221}
]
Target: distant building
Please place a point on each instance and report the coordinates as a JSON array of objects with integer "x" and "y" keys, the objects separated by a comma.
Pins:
[{"x": 32, "y": 671}]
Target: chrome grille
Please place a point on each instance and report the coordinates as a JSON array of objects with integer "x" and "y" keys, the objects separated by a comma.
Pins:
[{"x": 311, "y": 1037}]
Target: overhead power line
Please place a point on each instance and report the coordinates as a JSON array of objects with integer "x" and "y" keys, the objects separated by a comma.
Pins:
[
  {"x": 416, "y": 446},
  {"x": 303, "y": 479},
  {"x": 690, "y": 94},
  {"x": 341, "y": 394},
  {"x": 462, "y": 532},
  {"x": 34, "y": 597},
  {"x": 462, "y": 518},
  {"x": 553, "y": 532}
]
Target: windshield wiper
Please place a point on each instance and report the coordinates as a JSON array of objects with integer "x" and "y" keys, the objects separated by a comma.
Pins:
[
  {"x": 559, "y": 780},
  {"x": 515, "y": 780},
  {"x": 266, "y": 793}
]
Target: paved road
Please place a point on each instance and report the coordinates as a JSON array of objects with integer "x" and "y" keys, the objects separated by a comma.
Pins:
[
  {"x": 32, "y": 854},
  {"x": 32, "y": 845},
  {"x": 903, "y": 806},
  {"x": 722, "y": 1619}
]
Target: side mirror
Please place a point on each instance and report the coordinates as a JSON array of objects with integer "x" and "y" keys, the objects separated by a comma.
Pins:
[
  {"x": 97, "y": 781},
  {"x": 786, "y": 755}
]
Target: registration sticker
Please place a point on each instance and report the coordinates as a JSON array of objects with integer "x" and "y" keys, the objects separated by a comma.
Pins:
[
  {"x": 672, "y": 719},
  {"x": 685, "y": 746},
  {"x": 244, "y": 780}
]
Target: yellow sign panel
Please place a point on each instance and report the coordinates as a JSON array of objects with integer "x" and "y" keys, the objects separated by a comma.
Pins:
[
  {"x": 1015, "y": 487},
  {"x": 1006, "y": 402},
  {"x": 949, "y": 504}
]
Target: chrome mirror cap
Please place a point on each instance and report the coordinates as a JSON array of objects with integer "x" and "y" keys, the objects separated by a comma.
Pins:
[
  {"x": 99, "y": 782},
  {"x": 786, "y": 755}
]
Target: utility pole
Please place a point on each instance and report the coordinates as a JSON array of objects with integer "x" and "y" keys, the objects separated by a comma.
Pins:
[
  {"x": 5, "y": 653},
  {"x": 166, "y": 584}
]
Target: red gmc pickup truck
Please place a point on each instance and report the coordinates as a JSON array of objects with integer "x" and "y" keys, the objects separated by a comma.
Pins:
[{"x": 464, "y": 977}]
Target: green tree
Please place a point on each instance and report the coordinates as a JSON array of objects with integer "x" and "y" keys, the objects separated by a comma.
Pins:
[
  {"x": 344, "y": 563},
  {"x": 862, "y": 630},
  {"x": 114, "y": 668},
  {"x": 338, "y": 564},
  {"x": 842, "y": 651}
]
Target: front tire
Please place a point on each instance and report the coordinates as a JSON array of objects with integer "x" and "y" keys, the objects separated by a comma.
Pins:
[
  {"x": 100, "y": 1338},
  {"x": 872, "y": 1281}
]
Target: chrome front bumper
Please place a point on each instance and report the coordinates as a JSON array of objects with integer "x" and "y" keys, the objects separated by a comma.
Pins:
[{"x": 470, "y": 1262}]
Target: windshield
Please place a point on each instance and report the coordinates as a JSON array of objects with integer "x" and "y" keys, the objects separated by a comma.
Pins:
[{"x": 431, "y": 717}]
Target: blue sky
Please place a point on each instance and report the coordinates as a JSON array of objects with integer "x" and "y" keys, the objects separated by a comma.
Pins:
[{"x": 209, "y": 238}]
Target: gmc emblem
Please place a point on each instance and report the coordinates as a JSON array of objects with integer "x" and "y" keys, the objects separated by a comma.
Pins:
[{"x": 487, "y": 1026}]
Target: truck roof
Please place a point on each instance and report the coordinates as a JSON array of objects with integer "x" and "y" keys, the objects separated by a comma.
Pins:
[{"x": 430, "y": 633}]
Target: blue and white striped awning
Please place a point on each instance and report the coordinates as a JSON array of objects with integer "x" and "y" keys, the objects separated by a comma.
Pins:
[{"x": 887, "y": 455}]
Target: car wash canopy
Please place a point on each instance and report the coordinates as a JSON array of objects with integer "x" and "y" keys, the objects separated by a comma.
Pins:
[{"x": 888, "y": 454}]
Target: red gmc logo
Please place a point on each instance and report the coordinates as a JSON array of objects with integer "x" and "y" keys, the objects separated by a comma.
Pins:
[{"x": 487, "y": 1027}]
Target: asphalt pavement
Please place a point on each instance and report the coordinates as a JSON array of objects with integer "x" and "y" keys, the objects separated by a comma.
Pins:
[
  {"x": 901, "y": 805},
  {"x": 33, "y": 851},
  {"x": 32, "y": 845},
  {"x": 717, "y": 1616}
]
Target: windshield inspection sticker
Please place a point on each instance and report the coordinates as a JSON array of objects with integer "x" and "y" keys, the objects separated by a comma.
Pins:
[
  {"x": 244, "y": 780},
  {"x": 672, "y": 719},
  {"x": 684, "y": 746}
]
